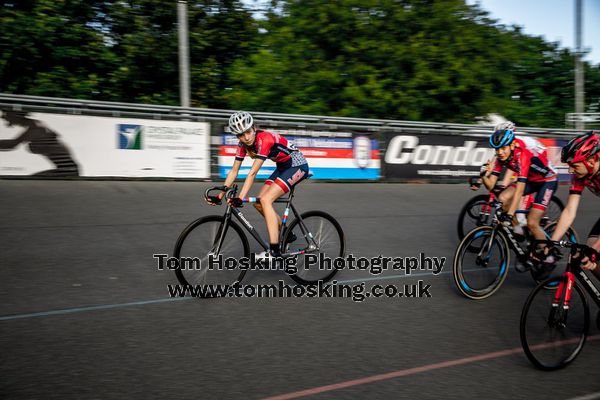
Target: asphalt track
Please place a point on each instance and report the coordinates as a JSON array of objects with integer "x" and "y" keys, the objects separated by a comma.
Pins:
[{"x": 84, "y": 311}]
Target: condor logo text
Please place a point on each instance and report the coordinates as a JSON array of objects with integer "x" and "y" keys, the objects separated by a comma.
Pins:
[{"x": 406, "y": 150}]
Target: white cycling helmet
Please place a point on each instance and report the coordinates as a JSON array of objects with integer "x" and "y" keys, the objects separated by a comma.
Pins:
[
  {"x": 240, "y": 122},
  {"x": 506, "y": 125}
]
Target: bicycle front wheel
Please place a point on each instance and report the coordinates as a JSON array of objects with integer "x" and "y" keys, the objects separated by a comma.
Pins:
[
  {"x": 481, "y": 263},
  {"x": 551, "y": 335},
  {"x": 198, "y": 241},
  {"x": 314, "y": 228}
]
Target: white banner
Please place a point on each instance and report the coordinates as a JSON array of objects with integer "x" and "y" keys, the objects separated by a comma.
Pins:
[{"x": 75, "y": 145}]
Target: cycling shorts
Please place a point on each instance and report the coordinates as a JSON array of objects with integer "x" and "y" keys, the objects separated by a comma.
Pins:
[
  {"x": 287, "y": 178},
  {"x": 544, "y": 192}
]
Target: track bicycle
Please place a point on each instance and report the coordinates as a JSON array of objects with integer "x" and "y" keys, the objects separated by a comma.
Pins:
[
  {"x": 555, "y": 323},
  {"x": 482, "y": 258},
  {"x": 478, "y": 210},
  {"x": 312, "y": 232}
]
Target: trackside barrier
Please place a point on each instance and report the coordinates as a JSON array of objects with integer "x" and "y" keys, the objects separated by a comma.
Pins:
[{"x": 70, "y": 138}]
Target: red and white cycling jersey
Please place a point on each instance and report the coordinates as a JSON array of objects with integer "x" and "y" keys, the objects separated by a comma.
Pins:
[
  {"x": 529, "y": 161},
  {"x": 591, "y": 182},
  {"x": 269, "y": 145}
]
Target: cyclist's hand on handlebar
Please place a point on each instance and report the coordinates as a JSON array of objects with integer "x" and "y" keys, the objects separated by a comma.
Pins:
[
  {"x": 546, "y": 253},
  {"x": 235, "y": 202},
  {"x": 215, "y": 200},
  {"x": 590, "y": 259},
  {"x": 475, "y": 183}
]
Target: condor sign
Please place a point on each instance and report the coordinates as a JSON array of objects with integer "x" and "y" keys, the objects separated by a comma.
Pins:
[{"x": 435, "y": 157}]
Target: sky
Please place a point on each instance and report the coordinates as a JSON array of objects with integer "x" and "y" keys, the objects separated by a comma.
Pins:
[{"x": 552, "y": 19}]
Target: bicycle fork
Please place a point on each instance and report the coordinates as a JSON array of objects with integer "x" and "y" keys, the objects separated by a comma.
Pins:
[
  {"x": 557, "y": 319},
  {"x": 486, "y": 248},
  {"x": 220, "y": 236},
  {"x": 312, "y": 245}
]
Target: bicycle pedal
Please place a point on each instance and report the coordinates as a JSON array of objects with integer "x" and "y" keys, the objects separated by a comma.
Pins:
[{"x": 523, "y": 267}]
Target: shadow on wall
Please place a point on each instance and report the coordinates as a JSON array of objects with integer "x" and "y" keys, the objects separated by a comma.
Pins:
[{"x": 43, "y": 141}]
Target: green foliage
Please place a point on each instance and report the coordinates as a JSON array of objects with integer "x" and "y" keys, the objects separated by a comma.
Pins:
[
  {"x": 410, "y": 59},
  {"x": 393, "y": 59},
  {"x": 119, "y": 50}
]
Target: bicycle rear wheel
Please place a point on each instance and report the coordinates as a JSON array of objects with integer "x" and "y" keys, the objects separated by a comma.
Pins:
[
  {"x": 551, "y": 335},
  {"x": 471, "y": 215},
  {"x": 329, "y": 238},
  {"x": 481, "y": 263},
  {"x": 199, "y": 240}
]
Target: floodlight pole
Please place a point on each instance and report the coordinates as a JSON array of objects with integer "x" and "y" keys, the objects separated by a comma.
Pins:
[{"x": 184, "y": 54}]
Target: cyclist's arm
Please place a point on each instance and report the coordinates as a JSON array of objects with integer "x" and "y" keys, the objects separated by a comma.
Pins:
[
  {"x": 567, "y": 216},
  {"x": 596, "y": 245},
  {"x": 489, "y": 179},
  {"x": 233, "y": 173},
  {"x": 524, "y": 162},
  {"x": 231, "y": 177},
  {"x": 508, "y": 177},
  {"x": 516, "y": 200},
  {"x": 250, "y": 178}
]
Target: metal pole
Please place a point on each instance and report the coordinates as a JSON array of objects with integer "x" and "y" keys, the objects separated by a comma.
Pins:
[
  {"x": 579, "y": 79},
  {"x": 184, "y": 54}
]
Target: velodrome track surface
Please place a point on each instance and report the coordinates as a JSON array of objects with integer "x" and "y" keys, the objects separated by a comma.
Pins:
[{"x": 84, "y": 312}]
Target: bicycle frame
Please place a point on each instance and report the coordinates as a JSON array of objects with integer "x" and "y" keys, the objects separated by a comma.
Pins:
[
  {"x": 573, "y": 271},
  {"x": 507, "y": 233},
  {"x": 486, "y": 209},
  {"x": 233, "y": 211}
]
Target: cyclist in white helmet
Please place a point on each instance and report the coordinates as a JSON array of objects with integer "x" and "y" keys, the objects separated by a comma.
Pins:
[{"x": 291, "y": 169}]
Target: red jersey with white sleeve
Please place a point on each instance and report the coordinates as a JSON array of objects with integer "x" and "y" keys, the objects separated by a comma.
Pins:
[
  {"x": 591, "y": 182},
  {"x": 529, "y": 160},
  {"x": 272, "y": 146}
]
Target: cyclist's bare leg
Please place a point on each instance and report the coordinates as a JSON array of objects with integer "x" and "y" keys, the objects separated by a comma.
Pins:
[
  {"x": 272, "y": 193},
  {"x": 506, "y": 197},
  {"x": 259, "y": 207},
  {"x": 533, "y": 223}
]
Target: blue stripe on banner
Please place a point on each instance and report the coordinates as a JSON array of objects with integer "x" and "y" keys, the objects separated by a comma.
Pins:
[{"x": 318, "y": 173}]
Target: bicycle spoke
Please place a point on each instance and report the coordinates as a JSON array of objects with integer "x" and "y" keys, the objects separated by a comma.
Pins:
[
  {"x": 202, "y": 241},
  {"x": 480, "y": 263},
  {"x": 328, "y": 239}
]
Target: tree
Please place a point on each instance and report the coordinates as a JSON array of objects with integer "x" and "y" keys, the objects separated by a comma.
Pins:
[
  {"x": 120, "y": 50},
  {"x": 49, "y": 47},
  {"x": 409, "y": 59}
]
